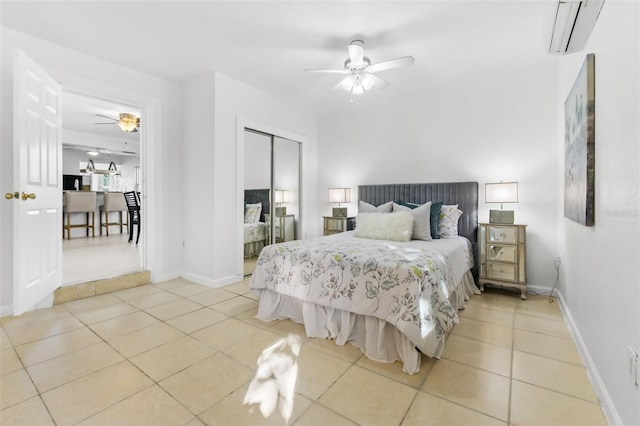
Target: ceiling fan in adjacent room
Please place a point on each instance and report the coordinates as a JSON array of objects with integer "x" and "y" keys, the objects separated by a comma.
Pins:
[
  {"x": 360, "y": 72},
  {"x": 127, "y": 122}
]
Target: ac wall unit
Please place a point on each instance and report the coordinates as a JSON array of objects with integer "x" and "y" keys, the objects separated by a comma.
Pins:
[{"x": 574, "y": 22}]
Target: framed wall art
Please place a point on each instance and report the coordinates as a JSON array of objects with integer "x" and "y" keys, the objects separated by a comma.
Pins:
[{"x": 579, "y": 146}]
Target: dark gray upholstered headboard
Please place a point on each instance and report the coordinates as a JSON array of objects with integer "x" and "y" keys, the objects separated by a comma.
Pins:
[
  {"x": 464, "y": 194},
  {"x": 253, "y": 196}
]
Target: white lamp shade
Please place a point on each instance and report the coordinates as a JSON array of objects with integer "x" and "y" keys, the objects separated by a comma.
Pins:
[
  {"x": 347, "y": 83},
  {"x": 502, "y": 192},
  {"x": 357, "y": 88},
  {"x": 339, "y": 195},
  {"x": 367, "y": 82},
  {"x": 281, "y": 196}
]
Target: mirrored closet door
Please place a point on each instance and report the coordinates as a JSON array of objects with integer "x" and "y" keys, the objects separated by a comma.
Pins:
[{"x": 271, "y": 193}]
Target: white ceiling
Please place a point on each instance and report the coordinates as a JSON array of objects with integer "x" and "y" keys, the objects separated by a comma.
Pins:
[
  {"x": 268, "y": 44},
  {"x": 80, "y": 114}
]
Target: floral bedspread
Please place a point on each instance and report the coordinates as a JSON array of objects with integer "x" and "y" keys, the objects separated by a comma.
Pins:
[
  {"x": 403, "y": 285},
  {"x": 254, "y": 232}
]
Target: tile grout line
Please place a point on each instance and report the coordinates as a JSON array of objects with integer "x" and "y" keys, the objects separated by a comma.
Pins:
[{"x": 509, "y": 397}]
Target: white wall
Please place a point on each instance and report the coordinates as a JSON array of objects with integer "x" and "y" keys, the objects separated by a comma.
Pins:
[
  {"x": 600, "y": 285},
  {"x": 85, "y": 74},
  {"x": 198, "y": 149},
  {"x": 486, "y": 131},
  {"x": 214, "y": 181}
]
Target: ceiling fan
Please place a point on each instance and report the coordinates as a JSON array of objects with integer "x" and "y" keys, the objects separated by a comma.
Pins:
[
  {"x": 127, "y": 122},
  {"x": 360, "y": 71}
]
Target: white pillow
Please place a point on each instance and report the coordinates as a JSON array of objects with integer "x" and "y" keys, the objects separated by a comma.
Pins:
[
  {"x": 370, "y": 208},
  {"x": 421, "y": 220},
  {"x": 252, "y": 213},
  {"x": 381, "y": 226},
  {"x": 448, "y": 221}
]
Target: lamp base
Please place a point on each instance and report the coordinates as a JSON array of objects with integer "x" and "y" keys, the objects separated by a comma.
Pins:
[
  {"x": 501, "y": 217},
  {"x": 281, "y": 211},
  {"x": 339, "y": 212}
]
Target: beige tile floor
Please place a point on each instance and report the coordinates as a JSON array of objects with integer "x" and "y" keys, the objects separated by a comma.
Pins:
[
  {"x": 177, "y": 353},
  {"x": 91, "y": 258}
]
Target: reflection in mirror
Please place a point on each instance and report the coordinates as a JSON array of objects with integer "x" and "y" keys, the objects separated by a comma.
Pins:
[
  {"x": 272, "y": 190},
  {"x": 257, "y": 181},
  {"x": 286, "y": 180}
]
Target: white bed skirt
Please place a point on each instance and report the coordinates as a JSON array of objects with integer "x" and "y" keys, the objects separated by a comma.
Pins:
[
  {"x": 376, "y": 338},
  {"x": 253, "y": 249}
]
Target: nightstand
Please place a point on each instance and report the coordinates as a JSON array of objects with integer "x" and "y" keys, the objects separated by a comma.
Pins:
[
  {"x": 285, "y": 228},
  {"x": 503, "y": 256},
  {"x": 335, "y": 225}
]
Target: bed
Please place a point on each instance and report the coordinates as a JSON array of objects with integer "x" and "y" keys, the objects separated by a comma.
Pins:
[
  {"x": 255, "y": 228},
  {"x": 391, "y": 299}
]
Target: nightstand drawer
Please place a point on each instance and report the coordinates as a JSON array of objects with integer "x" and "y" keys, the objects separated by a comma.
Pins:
[
  {"x": 502, "y": 252},
  {"x": 502, "y": 234},
  {"x": 502, "y": 271},
  {"x": 337, "y": 224}
]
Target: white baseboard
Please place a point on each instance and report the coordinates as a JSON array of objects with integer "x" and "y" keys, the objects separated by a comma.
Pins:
[
  {"x": 158, "y": 278},
  {"x": 608, "y": 407},
  {"x": 47, "y": 302},
  {"x": 220, "y": 282},
  {"x": 535, "y": 289},
  {"x": 6, "y": 310}
]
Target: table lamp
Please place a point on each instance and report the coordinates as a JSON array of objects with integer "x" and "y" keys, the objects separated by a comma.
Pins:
[{"x": 502, "y": 192}]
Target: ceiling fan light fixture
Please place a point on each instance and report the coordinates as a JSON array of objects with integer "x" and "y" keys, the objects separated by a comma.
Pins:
[
  {"x": 357, "y": 88},
  {"x": 128, "y": 122},
  {"x": 367, "y": 82},
  {"x": 361, "y": 72},
  {"x": 347, "y": 83}
]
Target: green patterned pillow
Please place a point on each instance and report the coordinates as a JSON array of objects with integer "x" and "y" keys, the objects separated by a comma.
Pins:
[{"x": 448, "y": 221}]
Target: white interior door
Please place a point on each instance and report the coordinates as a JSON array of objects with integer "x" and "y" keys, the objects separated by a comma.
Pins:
[{"x": 37, "y": 223}]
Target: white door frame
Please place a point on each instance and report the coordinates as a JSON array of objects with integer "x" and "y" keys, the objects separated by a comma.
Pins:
[
  {"x": 143, "y": 144},
  {"x": 151, "y": 141}
]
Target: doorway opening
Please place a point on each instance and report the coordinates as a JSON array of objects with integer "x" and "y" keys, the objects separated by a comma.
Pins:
[{"x": 92, "y": 138}]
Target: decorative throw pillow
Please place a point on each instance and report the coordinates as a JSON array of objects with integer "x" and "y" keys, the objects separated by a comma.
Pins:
[
  {"x": 370, "y": 208},
  {"x": 448, "y": 223},
  {"x": 252, "y": 213},
  {"x": 435, "y": 213},
  {"x": 381, "y": 226},
  {"x": 421, "y": 219}
]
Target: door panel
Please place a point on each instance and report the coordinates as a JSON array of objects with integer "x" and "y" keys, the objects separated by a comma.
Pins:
[{"x": 38, "y": 171}]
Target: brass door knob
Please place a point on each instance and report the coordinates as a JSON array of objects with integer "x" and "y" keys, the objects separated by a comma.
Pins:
[
  {"x": 25, "y": 196},
  {"x": 10, "y": 195}
]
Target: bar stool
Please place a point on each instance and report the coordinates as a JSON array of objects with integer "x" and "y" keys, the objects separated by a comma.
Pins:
[
  {"x": 113, "y": 202},
  {"x": 79, "y": 202}
]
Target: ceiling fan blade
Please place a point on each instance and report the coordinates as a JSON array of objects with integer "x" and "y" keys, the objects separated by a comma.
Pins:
[
  {"x": 330, "y": 71},
  {"x": 104, "y": 123},
  {"x": 106, "y": 116},
  {"x": 356, "y": 53},
  {"x": 339, "y": 85},
  {"x": 393, "y": 63},
  {"x": 378, "y": 82}
]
